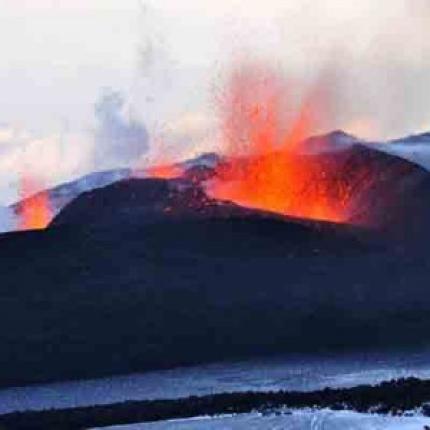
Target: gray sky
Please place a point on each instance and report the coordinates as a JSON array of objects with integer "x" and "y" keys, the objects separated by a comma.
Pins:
[{"x": 168, "y": 57}]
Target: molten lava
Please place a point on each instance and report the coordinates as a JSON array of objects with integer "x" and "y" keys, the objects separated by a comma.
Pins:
[
  {"x": 265, "y": 166},
  {"x": 35, "y": 211},
  {"x": 167, "y": 171}
]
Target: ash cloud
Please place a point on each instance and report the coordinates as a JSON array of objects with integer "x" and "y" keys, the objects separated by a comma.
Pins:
[{"x": 119, "y": 141}]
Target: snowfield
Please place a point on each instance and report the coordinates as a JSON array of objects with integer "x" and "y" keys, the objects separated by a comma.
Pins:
[{"x": 298, "y": 420}]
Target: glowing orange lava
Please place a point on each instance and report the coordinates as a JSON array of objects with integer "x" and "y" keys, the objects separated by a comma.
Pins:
[
  {"x": 35, "y": 211},
  {"x": 265, "y": 168},
  {"x": 167, "y": 171}
]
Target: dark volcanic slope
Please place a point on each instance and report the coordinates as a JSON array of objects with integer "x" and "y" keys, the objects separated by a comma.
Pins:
[
  {"x": 145, "y": 274},
  {"x": 389, "y": 192},
  {"x": 78, "y": 303},
  {"x": 140, "y": 201}
]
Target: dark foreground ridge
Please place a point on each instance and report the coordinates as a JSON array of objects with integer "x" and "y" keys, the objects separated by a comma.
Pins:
[
  {"x": 394, "y": 397},
  {"x": 81, "y": 304},
  {"x": 149, "y": 273}
]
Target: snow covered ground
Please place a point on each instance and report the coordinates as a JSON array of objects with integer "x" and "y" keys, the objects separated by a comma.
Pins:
[{"x": 298, "y": 420}]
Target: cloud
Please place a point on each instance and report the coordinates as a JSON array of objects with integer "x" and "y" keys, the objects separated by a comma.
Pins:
[
  {"x": 52, "y": 158},
  {"x": 6, "y": 134}
]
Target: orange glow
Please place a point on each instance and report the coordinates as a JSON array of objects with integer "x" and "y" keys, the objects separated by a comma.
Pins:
[
  {"x": 167, "y": 171},
  {"x": 35, "y": 211},
  {"x": 265, "y": 168}
]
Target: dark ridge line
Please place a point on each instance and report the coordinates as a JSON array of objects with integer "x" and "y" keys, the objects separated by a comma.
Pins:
[{"x": 391, "y": 397}]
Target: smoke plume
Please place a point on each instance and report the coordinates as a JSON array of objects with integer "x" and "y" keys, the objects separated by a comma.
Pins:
[{"x": 119, "y": 141}]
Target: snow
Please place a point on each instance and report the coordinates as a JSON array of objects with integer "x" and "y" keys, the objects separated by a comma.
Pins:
[
  {"x": 415, "y": 148},
  {"x": 298, "y": 420}
]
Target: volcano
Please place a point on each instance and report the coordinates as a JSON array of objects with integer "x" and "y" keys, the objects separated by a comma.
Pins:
[
  {"x": 361, "y": 187},
  {"x": 340, "y": 163},
  {"x": 152, "y": 273}
]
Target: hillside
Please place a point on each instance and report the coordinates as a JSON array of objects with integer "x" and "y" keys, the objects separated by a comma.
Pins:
[{"x": 152, "y": 273}]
